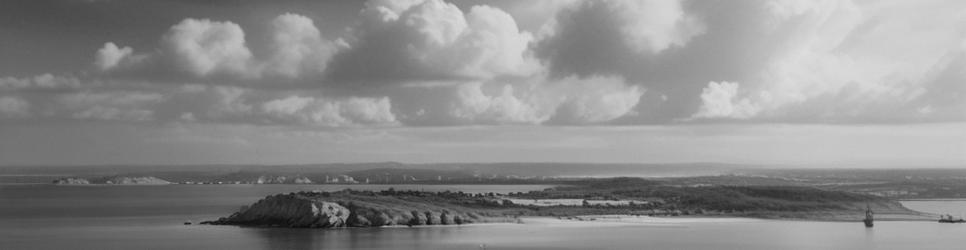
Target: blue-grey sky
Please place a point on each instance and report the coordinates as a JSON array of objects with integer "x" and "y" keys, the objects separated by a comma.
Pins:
[{"x": 808, "y": 83}]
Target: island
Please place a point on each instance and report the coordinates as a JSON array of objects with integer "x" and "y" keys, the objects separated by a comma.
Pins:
[
  {"x": 573, "y": 199},
  {"x": 113, "y": 180},
  {"x": 136, "y": 180}
]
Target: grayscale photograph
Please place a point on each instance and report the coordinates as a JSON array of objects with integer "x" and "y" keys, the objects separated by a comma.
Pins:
[{"x": 482, "y": 124}]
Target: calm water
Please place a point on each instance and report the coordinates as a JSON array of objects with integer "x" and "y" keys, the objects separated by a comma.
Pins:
[
  {"x": 150, "y": 217},
  {"x": 956, "y": 208}
]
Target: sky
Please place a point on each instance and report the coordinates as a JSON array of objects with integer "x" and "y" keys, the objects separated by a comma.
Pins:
[{"x": 834, "y": 83}]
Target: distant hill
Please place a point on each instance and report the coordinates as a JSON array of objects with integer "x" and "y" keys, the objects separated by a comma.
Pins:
[
  {"x": 140, "y": 180},
  {"x": 113, "y": 180},
  {"x": 71, "y": 181},
  {"x": 361, "y": 171},
  {"x": 377, "y": 172}
]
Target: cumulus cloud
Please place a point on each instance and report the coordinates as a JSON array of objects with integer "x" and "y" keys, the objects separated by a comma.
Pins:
[
  {"x": 566, "y": 101},
  {"x": 653, "y": 26},
  {"x": 204, "y": 47},
  {"x": 594, "y": 99},
  {"x": 432, "y": 40},
  {"x": 503, "y": 108},
  {"x": 588, "y": 62},
  {"x": 110, "y": 56},
  {"x": 368, "y": 110},
  {"x": 12, "y": 106},
  {"x": 720, "y": 100},
  {"x": 298, "y": 47},
  {"x": 594, "y": 37}
]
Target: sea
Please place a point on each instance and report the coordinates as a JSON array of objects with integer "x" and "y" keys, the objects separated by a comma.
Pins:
[{"x": 42, "y": 216}]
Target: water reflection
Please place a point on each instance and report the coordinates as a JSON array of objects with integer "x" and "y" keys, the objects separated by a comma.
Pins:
[{"x": 353, "y": 238}]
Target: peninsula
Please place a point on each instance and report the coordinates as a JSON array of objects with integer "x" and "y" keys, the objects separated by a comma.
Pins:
[{"x": 623, "y": 196}]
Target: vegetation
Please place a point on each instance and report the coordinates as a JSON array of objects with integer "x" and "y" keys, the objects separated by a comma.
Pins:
[
  {"x": 716, "y": 198},
  {"x": 630, "y": 196}
]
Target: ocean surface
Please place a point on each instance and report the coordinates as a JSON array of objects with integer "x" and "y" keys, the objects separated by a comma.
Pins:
[{"x": 151, "y": 217}]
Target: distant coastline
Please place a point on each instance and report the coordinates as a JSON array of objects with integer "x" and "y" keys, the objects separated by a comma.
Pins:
[{"x": 113, "y": 180}]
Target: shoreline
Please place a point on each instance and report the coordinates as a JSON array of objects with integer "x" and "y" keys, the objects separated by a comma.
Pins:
[
  {"x": 724, "y": 219},
  {"x": 932, "y": 199},
  {"x": 631, "y": 220}
]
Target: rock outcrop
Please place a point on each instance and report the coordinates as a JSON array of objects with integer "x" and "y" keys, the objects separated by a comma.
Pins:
[
  {"x": 290, "y": 211},
  {"x": 353, "y": 209},
  {"x": 71, "y": 181}
]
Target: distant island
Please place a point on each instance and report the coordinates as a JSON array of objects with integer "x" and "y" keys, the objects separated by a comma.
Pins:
[
  {"x": 611, "y": 196},
  {"x": 114, "y": 180}
]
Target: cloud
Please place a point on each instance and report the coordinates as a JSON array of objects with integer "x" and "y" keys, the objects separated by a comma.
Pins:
[
  {"x": 593, "y": 100},
  {"x": 110, "y": 56},
  {"x": 44, "y": 81},
  {"x": 203, "y": 47},
  {"x": 432, "y": 40},
  {"x": 230, "y": 104},
  {"x": 197, "y": 103},
  {"x": 207, "y": 49},
  {"x": 598, "y": 37},
  {"x": 12, "y": 106},
  {"x": 368, "y": 110},
  {"x": 111, "y": 106},
  {"x": 836, "y": 61},
  {"x": 331, "y": 113},
  {"x": 298, "y": 47},
  {"x": 656, "y": 25},
  {"x": 536, "y": 15},
  {"x": 720, "y": 100},
  {"x": 503, "y": 108},
  {"x": 430, "y": 62},
  {"x": 222, "y": 102},
  {"x": 944, "y": 90},
  {"x": 569, "y": 101}
]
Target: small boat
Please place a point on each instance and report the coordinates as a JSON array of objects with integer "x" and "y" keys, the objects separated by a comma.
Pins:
[
  {"x": 187, "y": 222},
  {"x": 868, "y": 216},
  {"x": 950, "y": 219}
]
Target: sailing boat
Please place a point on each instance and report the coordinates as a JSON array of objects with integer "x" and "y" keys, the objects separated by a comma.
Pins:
[{"x": 868, "y": 216}]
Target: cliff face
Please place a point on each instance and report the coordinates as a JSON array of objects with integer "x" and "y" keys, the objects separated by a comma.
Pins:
[{"x": 302, "y": 180}]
